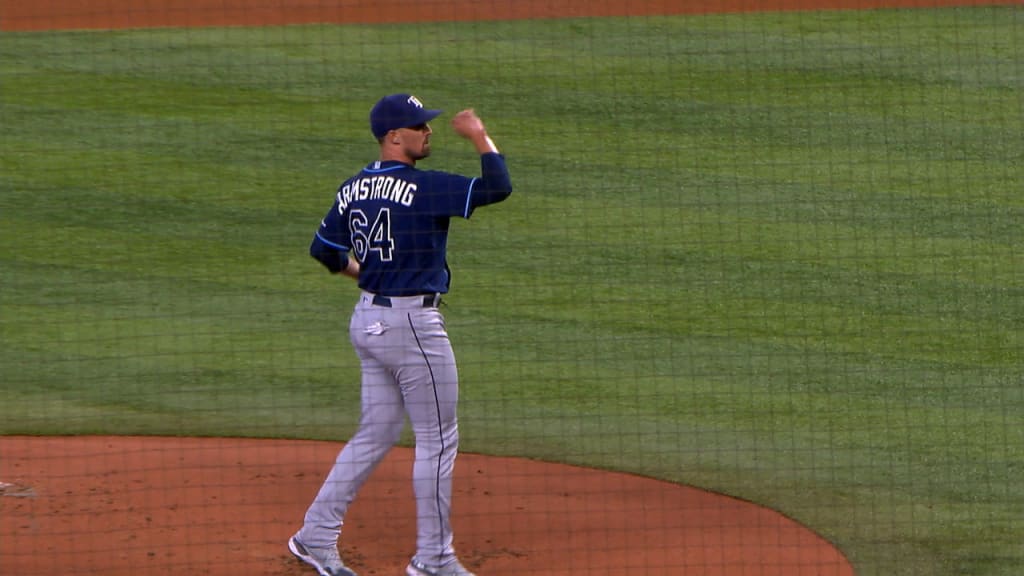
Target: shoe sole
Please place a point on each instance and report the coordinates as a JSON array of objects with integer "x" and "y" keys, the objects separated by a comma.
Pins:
[
  {"x": 411, "y": 570},
  {"x": 294, "y": 548}
]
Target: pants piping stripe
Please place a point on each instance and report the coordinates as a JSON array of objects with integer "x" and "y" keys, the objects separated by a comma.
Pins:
[{"x": 440, "y": 430}]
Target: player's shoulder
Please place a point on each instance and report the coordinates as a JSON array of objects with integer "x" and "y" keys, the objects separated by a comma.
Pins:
[{"x": 441, "y": 175}]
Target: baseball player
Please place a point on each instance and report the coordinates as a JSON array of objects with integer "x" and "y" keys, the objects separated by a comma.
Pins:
[{"x": 388, "y": 229}]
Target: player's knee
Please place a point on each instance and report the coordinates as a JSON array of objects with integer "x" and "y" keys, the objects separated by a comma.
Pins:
[
  {"x": 392, "y": 434},
  {"x": 380, "y": 433},
  {"x": 446, "y": 440}
]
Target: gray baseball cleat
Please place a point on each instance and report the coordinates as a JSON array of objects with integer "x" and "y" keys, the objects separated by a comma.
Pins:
[
  {"x": 455, "y": 568},
  {"x": 326, "y": 560}
]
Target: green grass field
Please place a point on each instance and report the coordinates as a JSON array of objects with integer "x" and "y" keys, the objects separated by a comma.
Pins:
[{"x": 778, "y": 256}]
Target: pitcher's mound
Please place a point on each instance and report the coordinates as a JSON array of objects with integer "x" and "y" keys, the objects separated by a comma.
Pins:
[{"x": 110, "y": 506}]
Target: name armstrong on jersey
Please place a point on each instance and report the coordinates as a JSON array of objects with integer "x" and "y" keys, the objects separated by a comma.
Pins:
[{"x": 377, "y": 188}]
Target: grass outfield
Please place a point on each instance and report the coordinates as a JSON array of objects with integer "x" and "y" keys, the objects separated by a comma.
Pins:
[{"x": 778, "y": 256}]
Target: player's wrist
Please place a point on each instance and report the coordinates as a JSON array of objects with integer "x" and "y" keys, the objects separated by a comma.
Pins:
[{"x": 484, "y": 144}]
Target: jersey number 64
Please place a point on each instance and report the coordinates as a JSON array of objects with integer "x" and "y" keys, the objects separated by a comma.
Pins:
[{"x": 375, "y": 237}]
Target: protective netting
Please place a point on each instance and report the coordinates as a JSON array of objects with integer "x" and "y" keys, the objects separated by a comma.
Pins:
[{"x": 769, "y": 249}]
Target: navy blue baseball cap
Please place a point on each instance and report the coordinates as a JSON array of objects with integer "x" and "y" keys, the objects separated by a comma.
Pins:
[{"x": 398, "y": 111}]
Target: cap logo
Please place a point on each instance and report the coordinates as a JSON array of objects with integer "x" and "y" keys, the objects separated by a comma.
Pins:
[{"x": 415, "y": 102}]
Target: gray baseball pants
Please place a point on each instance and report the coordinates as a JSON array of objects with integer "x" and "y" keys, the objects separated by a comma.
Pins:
[{"x": 408, "y": 369}]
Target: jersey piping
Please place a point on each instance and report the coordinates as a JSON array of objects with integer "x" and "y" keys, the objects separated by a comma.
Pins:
[{"x": 332, "y": 244}]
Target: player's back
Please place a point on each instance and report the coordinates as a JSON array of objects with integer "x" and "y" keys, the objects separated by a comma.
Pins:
[{"x": 397, "y": 219}]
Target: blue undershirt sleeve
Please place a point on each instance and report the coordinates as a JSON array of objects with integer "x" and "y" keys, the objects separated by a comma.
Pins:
[
  {"x": 493, "y": 186},
  {"x": 332, "y": 255}
]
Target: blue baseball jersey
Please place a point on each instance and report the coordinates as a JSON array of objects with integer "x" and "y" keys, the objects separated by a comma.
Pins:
[{"x": 393, "y": 219}]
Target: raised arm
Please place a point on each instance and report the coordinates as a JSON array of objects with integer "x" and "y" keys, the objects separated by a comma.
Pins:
[{"x": 495, "y": 184}]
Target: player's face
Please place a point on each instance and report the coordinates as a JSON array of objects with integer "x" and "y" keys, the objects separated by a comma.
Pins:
[{"x": 416, "y": 141}]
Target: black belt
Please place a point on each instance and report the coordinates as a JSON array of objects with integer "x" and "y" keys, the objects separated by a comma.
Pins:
[{"x": 429, "y": 300}]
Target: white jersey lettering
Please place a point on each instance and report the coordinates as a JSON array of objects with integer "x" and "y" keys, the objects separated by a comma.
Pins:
[{"x": 386, "y": 188}]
